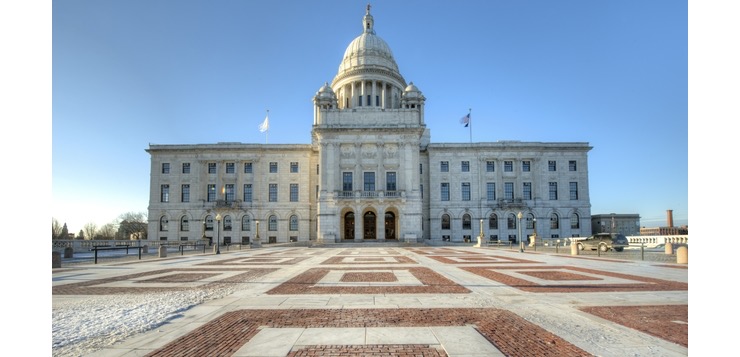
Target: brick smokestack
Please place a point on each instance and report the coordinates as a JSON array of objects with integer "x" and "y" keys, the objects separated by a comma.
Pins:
[{"x": 670, "y": 217}]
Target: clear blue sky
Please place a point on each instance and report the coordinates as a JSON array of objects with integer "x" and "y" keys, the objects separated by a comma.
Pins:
[{"x": 129, "y": 73}]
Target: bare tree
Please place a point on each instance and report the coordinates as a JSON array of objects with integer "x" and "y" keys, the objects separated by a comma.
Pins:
[
  {"x": 56, "y": 229},
  {"x": 108, "y": 231},
  {"x": 132, "y": 225},
  {"x": 90, "y": 230}
]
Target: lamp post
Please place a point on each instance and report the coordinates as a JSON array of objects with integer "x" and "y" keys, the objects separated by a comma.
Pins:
[
  {"x": 218, "y": 238},
  {"x": 534, "y": 236},
  {"x": 519, "y": 225}
]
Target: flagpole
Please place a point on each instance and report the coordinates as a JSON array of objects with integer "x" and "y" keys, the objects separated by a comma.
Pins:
[{"x": 470, "y": 120}]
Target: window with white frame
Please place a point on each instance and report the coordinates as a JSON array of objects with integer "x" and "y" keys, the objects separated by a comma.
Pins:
[
  {"x": 490, "y": 191},
  {"x": 293, "y": 192},
  {"x": 574, "y": 190},
  {"x": 273, "y": 192},
  {"x": 390, "y": 181},
  {"x": 184, "y": 224},
  {"x": 509, "y": 191},
  {"x": 553, "y": 190},
  {"x": 247, "y": 192},
  {"x": 272, "y": 223},
  {"x": 229, "y": 192},
  {"x": 164, "y": 193},
  {"x": 185, "y": 193},
  {"x": 445, "y": 191},
  {"x": 346, "y": 181},
  {"x": 369, "y": 181},
  {"x": 246, "y": 223},
  {"x": 293, "y": 223},
  {"x": 527, "y": 190},
  {"x": 466, "y": 191}
]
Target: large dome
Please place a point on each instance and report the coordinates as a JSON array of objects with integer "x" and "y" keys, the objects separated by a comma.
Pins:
[{"x": 368, "y": 50}]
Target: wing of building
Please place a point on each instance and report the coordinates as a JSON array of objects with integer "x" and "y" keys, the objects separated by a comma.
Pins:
[{"x": 370, "y": 173}]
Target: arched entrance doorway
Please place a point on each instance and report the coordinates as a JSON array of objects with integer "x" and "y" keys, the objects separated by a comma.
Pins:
[
  {"x": 368, "y": 225},
  {"x": 349, "y": 225},
  {"x": 390, "y": 225}
]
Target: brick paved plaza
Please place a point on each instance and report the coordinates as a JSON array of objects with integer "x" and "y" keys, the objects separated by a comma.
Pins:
[{"x": 399, "y": 301}]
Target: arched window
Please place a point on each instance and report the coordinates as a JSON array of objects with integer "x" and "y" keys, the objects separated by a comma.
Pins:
[
  {"x": 163, "y": 223},
  {"x": 246, "y": 223},
  {"x": 209, "y": 223},
  {"x": 530, "y": 221},
  {"x": 272, "y": 223},
  {"x": 511, "y": 221},
  {"x": 227, "y": 223},
  {"x": 184, "y": 224},
  {"x": 293, "y": 223},
  {"x": 466, "y": 221},
  {"x": 575, "y": 222},
  {"x": 445, "y": 221},
  {"x": 554, "y": 221},
  {"x": 493, "y": 221}
]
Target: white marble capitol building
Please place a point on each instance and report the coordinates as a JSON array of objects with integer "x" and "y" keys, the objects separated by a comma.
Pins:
[{"x": 370, "y": 173}]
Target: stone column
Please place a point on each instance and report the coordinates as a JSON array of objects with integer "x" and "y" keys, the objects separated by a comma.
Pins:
[
  {"x": 56, "y": 260},
  {"x": 682, "y": 255}
]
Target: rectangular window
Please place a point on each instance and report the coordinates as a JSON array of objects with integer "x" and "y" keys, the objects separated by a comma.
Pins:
[
  {"x": 551, "y": 165},
  {"x": 572, "y": 165},
  {"x": 553, "y": 190},
  {"x": 527, "y": 190},
  {"x": 273, "y": 167},
  {"x": 368, "y": 100},
  {"x": 186, "y": 167},
  {"x": 574, "y": 191},
  {"x": 211, "y": 192},
  {"x": 229, "y": 192},
  {"x": 293, "y": 192},
  {"x": 317, "y": 192},
  {"x": 165, "y": 167},
  {"x": 490, "y": 166},
  {"x": 508, "y": 166},
  {"x": 273, "y": 192},
  {"x": 211, "y": 167},
  {"x": 444, "y": 166},
  {"x": 421, "y": 169},
  {"x": 466, "y": 191},
  {"x": 390, "y": 181},
  {"x": 185, "y": 193},
  {"x": 346, "y": 181},
  {"x": 230, "y": 168},
  {"x": 247, "y": 192},
  {"x": 490, "y": 191},
  {"x": 509, "y": 190},
  {"x": 293, "y": 167},
  {"x": 421, "y": 191},
  {"x": 369, "y": 181},
  {"x": 526, "y": 165},
  {"x": 445, "y": 191},
  {"x": 465, "y": 166},
  {"x": 247, "y": 167},
  {"x": 317, "y": 169},
  {"x": 165, "y": 193}
]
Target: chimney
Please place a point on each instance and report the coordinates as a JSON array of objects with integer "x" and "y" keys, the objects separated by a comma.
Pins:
[{"x": 670, "y": 217}]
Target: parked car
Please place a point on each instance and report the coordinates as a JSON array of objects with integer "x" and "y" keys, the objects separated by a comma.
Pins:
[{"x": 604, "y": 242}]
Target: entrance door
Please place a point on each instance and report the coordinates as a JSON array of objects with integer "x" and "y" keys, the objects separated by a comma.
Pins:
[
  {"x": 349, "y": 225},
  {"x": 368, "y": 226},
  {"x": 390, "y": 225}
]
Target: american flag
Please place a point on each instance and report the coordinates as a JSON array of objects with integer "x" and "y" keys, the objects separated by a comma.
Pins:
[{"x": 465, "y": 120}]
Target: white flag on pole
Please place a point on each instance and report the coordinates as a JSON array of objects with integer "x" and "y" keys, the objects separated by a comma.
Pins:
[{"x": 265, "y": 126}]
